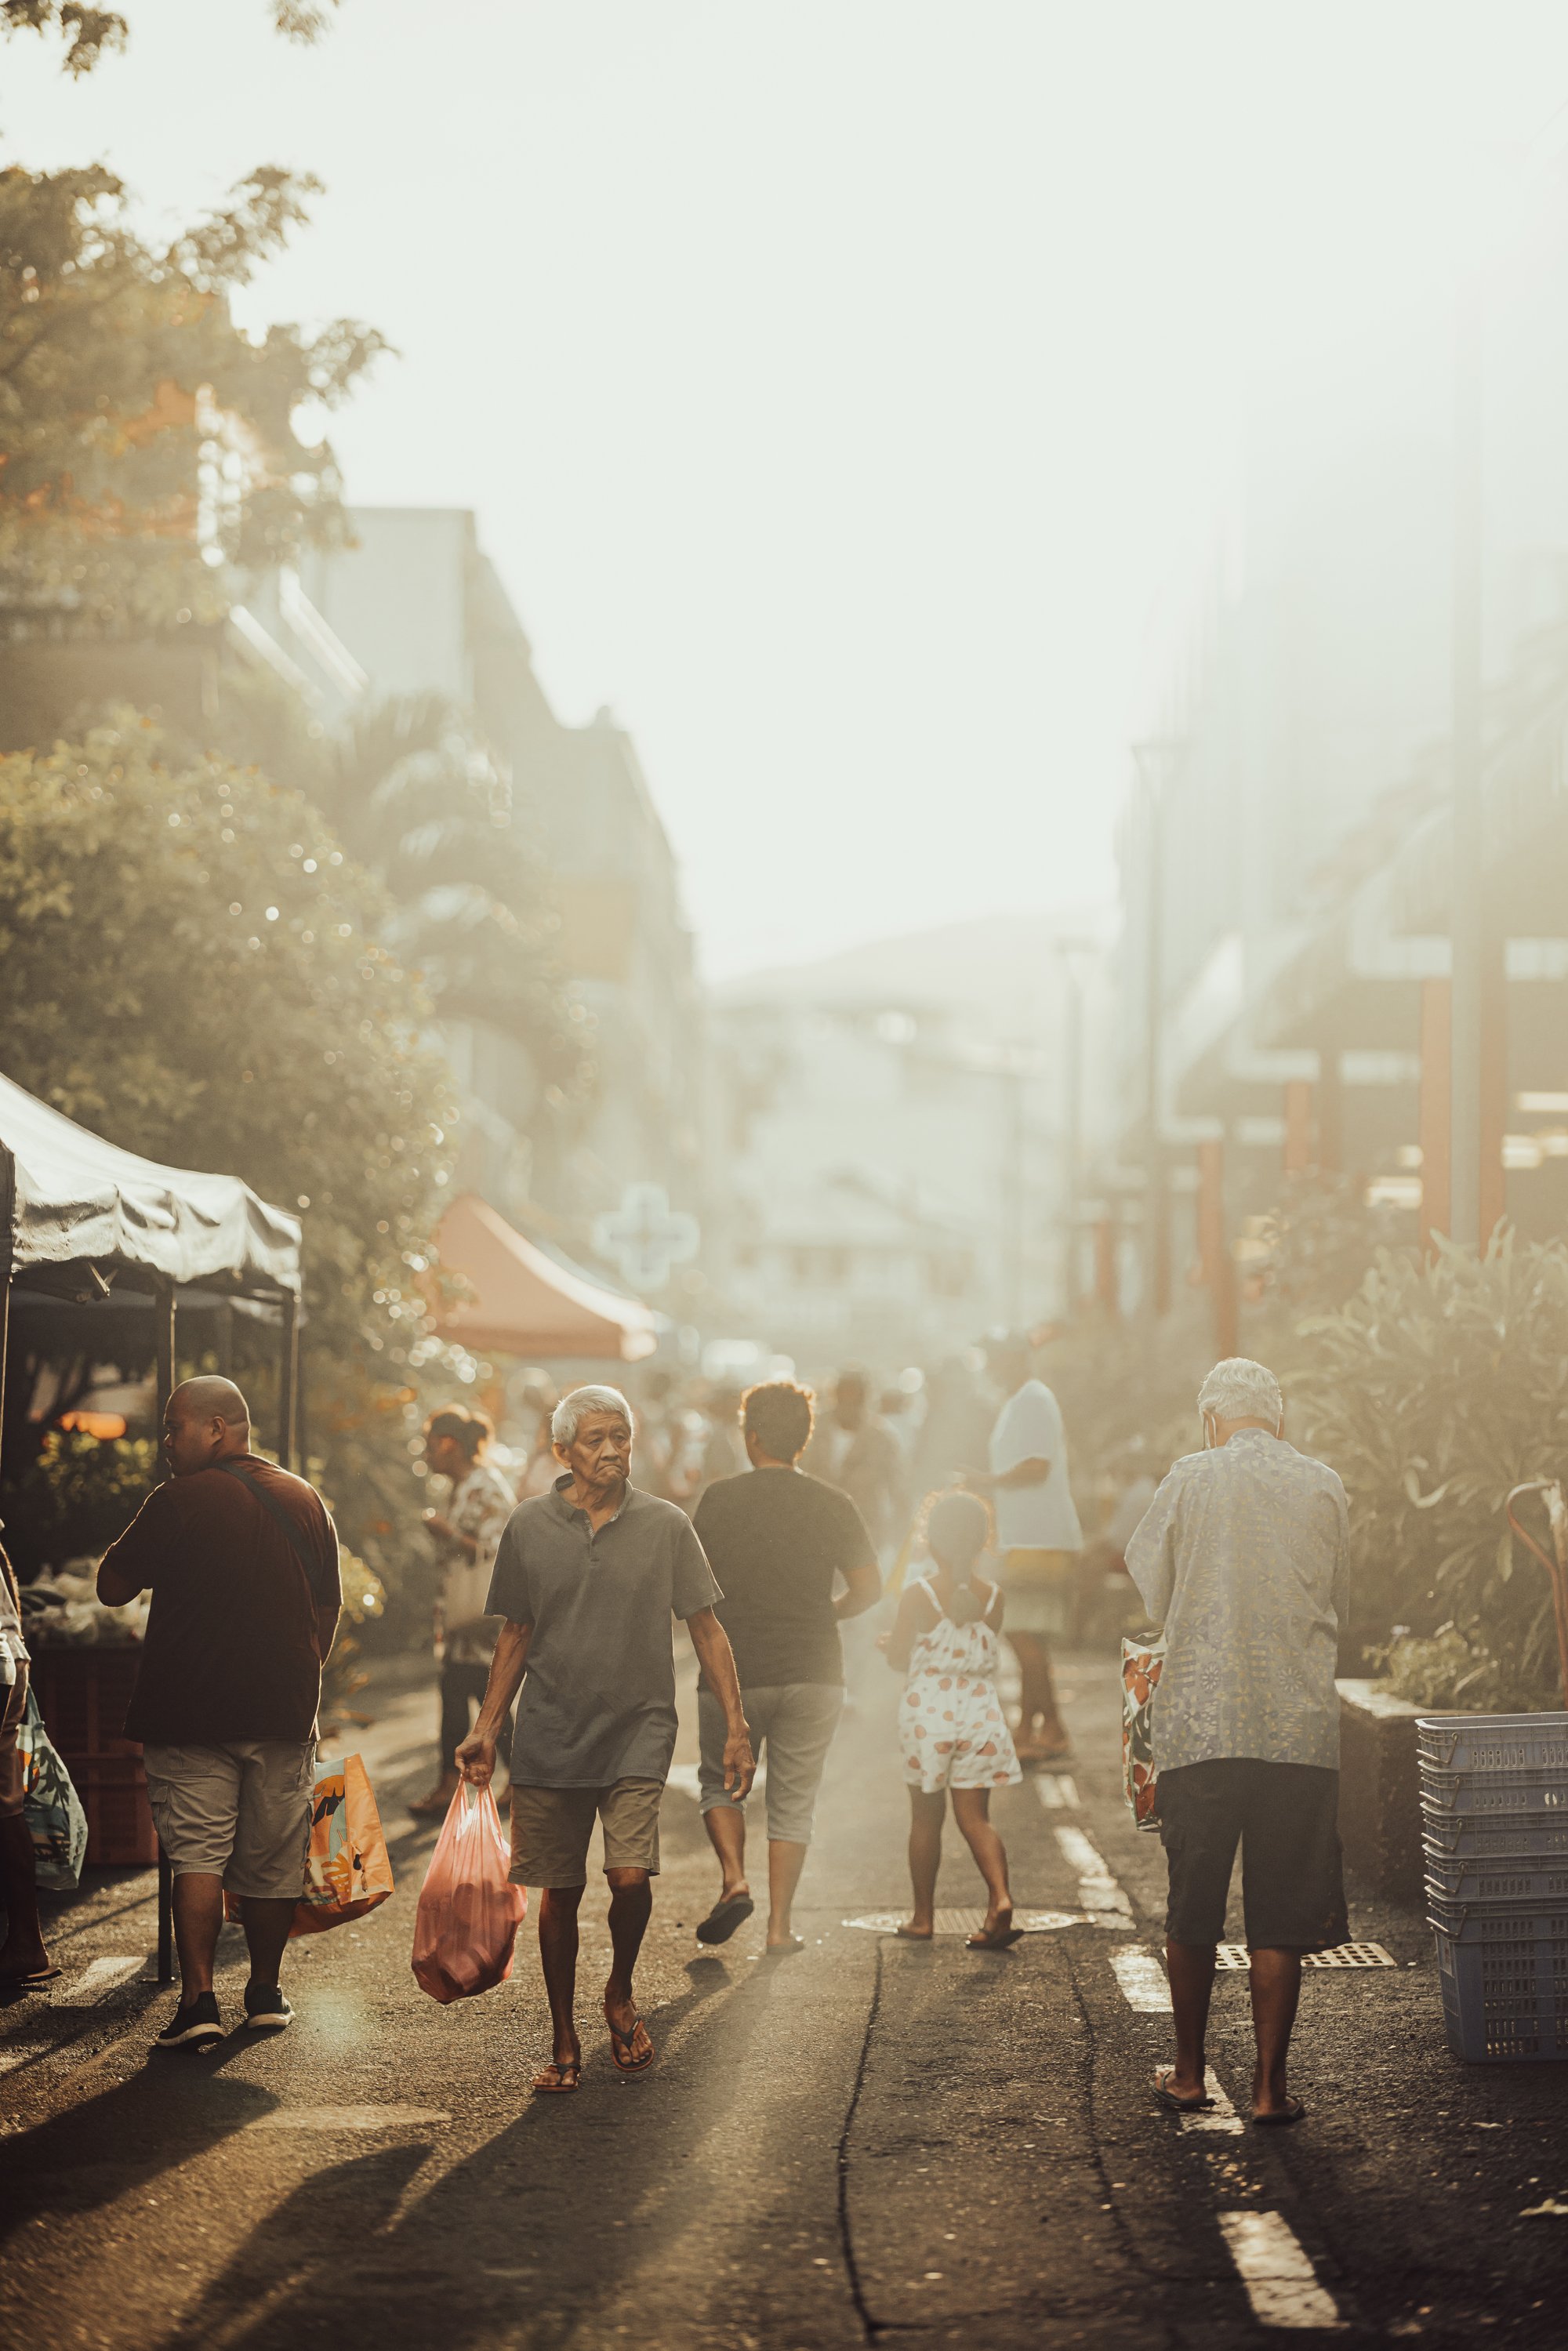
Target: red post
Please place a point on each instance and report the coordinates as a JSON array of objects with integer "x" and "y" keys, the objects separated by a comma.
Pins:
[
  {"x": 1493, "y": 1188},
  {"x": 1435, "y": 1117},
  {"x": 1107, "y": 1288},
  {"x": 1299, "y": 1153},
  {"x": 1214, "y": 1249}
]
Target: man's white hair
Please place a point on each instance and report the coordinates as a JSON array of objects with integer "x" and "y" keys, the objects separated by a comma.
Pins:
[
  {"x": 1239, "y": 1389},
  {"x": 573, "y": 1410}
]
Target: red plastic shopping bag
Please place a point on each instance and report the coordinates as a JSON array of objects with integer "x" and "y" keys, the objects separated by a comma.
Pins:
[{"x": 468, "y": 1912}]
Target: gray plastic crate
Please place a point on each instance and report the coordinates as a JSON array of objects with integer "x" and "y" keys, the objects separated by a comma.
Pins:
[
  {"x": 1524, "y": 1924},
  {"x": 1502, "y": 2004},
  {"x": 1538, "y": 1835},
  {"x": 1507, "y": 1878},
  {"x": 1493, "y": 1742},
  {"x": 1545, "y": 1794}
]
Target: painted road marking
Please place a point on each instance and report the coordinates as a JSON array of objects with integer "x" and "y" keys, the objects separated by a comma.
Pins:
[
  {"x": 1143, "y": 1981},
  {"x": 1057, "y": 1790},
  {"x": 1343, "y": 1955},
  {"x": 1222, "y": 2116},
  {"x": 1281, "y": 2282},
  {"x": 969, "y": 1922},
  {"x": 1097, "y": 1889},
  {"x": 349, "y": 2118},
  {"x": 100, "y": 1977}
]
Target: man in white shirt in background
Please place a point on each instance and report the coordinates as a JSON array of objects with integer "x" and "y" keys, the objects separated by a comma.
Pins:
[{"x": 1038, "y": 1537}]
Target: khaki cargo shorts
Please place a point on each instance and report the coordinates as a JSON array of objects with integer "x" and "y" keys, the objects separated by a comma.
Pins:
[
  {"x": 553, "y": 1827},
  {"x": 240, "y": 1812}
]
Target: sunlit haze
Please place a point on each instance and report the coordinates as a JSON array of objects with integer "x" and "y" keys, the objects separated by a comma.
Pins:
[{"x": 853, "y": 397}]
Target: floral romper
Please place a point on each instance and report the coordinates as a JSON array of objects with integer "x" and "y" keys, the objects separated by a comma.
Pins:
[{"x": 951, "y": 1726}]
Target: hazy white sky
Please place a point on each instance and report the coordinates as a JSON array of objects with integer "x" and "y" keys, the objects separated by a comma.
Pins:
[{"x": 845, "y": 388}]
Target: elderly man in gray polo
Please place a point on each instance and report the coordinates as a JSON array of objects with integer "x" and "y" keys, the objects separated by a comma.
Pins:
[
  {"x": 587, "y": 1579},
  {"x": 1243, "y": 1556}
]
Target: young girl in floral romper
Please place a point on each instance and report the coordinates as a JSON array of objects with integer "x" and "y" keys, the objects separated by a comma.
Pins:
[{"x": 951, "y": 1726}]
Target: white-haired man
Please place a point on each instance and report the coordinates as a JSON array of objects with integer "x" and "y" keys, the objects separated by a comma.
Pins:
[
  {"x": 1243, "y": 1556},
  {"x": 587, "y": 1578}
]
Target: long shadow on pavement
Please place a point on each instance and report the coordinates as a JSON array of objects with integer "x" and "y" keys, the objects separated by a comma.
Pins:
[
  {"x": 524, "y": 2239},
  {"x": 174, "y": 2108}
]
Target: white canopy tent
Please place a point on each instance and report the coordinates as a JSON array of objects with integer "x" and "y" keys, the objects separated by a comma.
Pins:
[{"x": 87, "y": 1228}]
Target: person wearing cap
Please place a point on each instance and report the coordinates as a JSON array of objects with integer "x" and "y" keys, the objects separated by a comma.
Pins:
[{"x": 1243, "y": 1556}]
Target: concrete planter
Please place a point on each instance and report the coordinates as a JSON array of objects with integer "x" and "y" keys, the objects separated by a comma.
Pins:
[{"x": 1379, "y": 1798}]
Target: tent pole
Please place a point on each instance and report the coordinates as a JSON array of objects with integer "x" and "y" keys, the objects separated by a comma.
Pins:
[
  {"x": 163, "y": 1344},
  {"x": 5, "y": 1345},
  {"x": 163, "y": 1349},
  {"x": 288, "y": 1374}
]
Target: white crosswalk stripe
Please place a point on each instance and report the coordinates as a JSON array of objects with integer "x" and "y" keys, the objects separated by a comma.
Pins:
[
  {"x": 1057, "y": 1790},
  {"x": 100, "y": 1977},
  {"x": 1281, "y": 2282},
  {"x": 1142, "y": 1981},
  {"x": 1098, "y": 1892}
]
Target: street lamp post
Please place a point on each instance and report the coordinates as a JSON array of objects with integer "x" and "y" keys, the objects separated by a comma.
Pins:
[
  {"x": 1467, "y": 887},
  {"x": 1156, "y": 1204}
]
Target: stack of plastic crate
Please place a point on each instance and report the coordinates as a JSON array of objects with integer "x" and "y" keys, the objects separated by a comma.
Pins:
[{"x": 1494, "y": 1829}]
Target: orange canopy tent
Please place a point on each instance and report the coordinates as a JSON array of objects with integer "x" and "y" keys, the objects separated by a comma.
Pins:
[{"x": 524, "y": 1303}]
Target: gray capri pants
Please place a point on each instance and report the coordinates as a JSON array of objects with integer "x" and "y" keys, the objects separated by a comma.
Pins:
[{"x": 795, "y": 1721}]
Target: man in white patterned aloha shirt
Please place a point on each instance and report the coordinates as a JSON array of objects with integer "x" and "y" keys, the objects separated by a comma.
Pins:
[
  {"x": 468, "y": 1534},
  {"x": 1244, "y": 1557}
]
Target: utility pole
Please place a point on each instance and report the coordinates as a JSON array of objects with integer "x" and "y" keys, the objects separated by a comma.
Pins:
[
  {"x": 1156, "y": 1204},
  {"x": 1073, "y": 1125},
  {"x": 1467, "y": 916}
]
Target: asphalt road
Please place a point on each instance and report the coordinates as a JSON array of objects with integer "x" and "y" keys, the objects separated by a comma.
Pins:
[{"x": 869, "y": 2138}]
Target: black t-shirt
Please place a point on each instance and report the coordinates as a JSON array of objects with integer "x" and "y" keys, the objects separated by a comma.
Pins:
[
  {"x": 775, "y": 1538},
  {"x": 232, "y": 1647}
]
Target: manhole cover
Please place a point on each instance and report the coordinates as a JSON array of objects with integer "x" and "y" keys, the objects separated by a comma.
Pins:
[
  {"x": 969, "y": 1922},
  {"x": 1343, "y": 1955}
]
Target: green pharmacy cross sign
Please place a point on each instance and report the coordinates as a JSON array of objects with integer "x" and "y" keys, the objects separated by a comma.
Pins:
[{"x": 645, "y": 1237}]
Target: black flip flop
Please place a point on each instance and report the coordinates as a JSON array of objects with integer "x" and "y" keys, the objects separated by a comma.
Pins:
[
  {"x": 33, "y": 1982},
  {"x": 621, "y": 2049},
  {"x": 724, "y": 1918},
  {"x": 1173, "y": 2105},
  {"x": 1002, "y": 1942},
  {"x": 1290, "y": 2111}
]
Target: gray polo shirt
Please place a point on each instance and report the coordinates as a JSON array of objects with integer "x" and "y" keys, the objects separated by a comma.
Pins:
[{"x": 598, "y": 1702}]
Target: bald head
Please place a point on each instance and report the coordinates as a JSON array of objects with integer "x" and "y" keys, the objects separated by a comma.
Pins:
[{"x": 206, "y": 1419}]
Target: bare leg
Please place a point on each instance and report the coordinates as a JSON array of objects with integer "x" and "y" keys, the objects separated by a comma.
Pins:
[
  {"x": 557, "y": 1958},
  {"x": 1275, "y": 1981},
  {"x": 1191, "y": 1967},
  {"x": 266, "y": 1926},
  {"x": 198, "y": 1915},
  {"x": 786, "y": 1860},
  {"x": 971, "y": 1810},
  {"x": 1041, "y": 1728},
  {"x": 631, "y": 1908},
  {"x": 726, "y": 1826},
  {"x": 925, "y": 1817},
  {"x": 23, "y": 1953}
]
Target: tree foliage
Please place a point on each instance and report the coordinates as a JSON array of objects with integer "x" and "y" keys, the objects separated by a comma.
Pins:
[
  {"x": 422, "y": 805},
  {"x": 145, "y": 442},
  {"x": 194, "y": 969},
  {"x": 1433, "y": 1392},
  {"x": 91, "y": 34}
]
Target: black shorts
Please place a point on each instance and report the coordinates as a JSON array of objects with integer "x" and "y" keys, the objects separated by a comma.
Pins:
[{"x": 1285, "y": 1817}]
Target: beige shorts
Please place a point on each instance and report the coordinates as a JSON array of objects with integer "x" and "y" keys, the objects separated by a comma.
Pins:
[
  {"x": 551, "y": 1829},
  {"x": 13, "y": 1772},
  {"x": 240, "y": 1812}
]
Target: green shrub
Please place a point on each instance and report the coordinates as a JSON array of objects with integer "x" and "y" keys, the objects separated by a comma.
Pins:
[
  {"x": 78, "y": 1493},
  {"x": 1433, "y": 1392}
]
